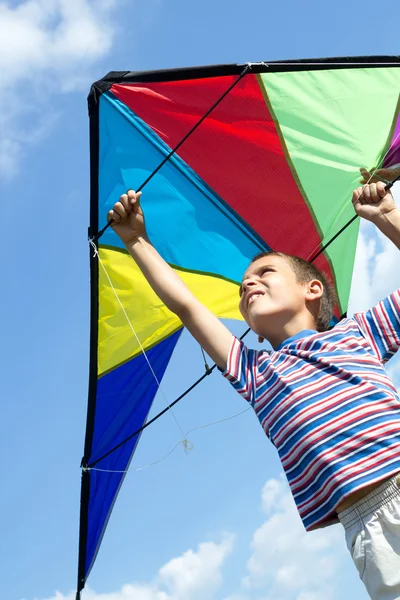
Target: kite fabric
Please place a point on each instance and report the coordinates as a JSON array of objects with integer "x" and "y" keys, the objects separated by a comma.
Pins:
[{"x": 272, "y": 166}]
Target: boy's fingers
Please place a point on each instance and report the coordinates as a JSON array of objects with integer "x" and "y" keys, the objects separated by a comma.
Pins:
[
  {"x": 124, "y": 200},
  {"x": 374, "y": 194},
  {"x": 365, "y": 175},
  {"x": 111, "y": 216},
  {"x": 356, "y": 195},
  {"x": 119, "y": 209},
  {"x": 138, "y": 207},
  {"x": 381, "y": 189},
  {"x": 133, "y": 196},
  {"x": 134, "y": 200},
  {"x": 136, "y": 204},
  {"x": 114, "y": 216},
  {"x": 366, "y": 194}
]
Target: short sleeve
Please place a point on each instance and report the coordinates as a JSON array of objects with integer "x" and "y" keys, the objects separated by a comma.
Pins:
[
  {"x": 381, "y": 326},
  {"x": 242, "y": 369}
]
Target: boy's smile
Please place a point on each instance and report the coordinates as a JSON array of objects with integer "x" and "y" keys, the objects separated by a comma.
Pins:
[{"x": 252, "y": 297}]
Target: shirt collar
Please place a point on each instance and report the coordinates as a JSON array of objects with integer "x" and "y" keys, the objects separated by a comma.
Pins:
[{"x": 298, "y": 336}]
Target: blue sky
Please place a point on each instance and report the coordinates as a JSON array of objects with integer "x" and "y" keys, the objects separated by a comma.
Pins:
[{"x": 217, "y": 523}]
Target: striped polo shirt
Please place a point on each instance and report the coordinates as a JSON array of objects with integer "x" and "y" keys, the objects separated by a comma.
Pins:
[{"x": 328, "y": 406}]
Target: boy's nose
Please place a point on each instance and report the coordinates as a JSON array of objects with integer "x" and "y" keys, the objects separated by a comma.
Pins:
[{"x": 248, "y": 284}]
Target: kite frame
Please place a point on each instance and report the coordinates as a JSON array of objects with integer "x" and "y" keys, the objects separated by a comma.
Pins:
[{"x": 97, "y": 89}]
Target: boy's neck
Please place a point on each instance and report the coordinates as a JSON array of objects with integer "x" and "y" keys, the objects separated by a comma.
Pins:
[{"x": 290, "y": 330}]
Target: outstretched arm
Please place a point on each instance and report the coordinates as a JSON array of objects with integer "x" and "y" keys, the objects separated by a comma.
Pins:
[
  {"x": 374, "y": 203},
  {"x": 205, "y": 327}
]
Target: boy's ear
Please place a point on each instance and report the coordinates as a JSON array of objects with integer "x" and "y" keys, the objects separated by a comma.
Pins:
[{"x": 315, "y": 289}]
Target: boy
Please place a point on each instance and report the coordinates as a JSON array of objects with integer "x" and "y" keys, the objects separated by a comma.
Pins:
[{"x": 322, "y": 397}]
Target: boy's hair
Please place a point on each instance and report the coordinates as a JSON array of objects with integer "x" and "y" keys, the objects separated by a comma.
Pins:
[{"x": 305, "y": 272}]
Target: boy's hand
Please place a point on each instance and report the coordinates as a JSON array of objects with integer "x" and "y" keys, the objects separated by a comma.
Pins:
[
  {"x": 128, "y": 217},
  {"x": 384, "y": 174},
  {"x": 372, "y": 201}
]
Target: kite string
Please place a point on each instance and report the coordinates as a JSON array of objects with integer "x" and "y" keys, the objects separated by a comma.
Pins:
[
  {"x": 187, "y": 445},
  {"x": 162, "y": 412},
  {"x": 380, "y": 163},
  {"x": 96, "y": 254}
]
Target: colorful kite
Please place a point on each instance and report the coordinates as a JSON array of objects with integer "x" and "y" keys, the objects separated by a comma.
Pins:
[{"x": 237, "y": 160}]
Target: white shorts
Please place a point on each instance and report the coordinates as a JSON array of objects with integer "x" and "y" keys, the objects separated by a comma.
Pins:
[{"x": 372, "y": 527}]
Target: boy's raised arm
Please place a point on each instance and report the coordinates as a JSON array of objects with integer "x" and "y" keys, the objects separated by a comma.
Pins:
[
  {"x": 374, "y": 203},
  {"x": 205, "y": 327}
]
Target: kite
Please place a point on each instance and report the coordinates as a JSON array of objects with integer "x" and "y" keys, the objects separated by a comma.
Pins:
[{"x": 235, "y": 160}]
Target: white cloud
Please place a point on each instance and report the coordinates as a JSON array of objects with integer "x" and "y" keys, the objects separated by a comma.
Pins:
[
  {"x": 46, "y": 47},
  {"x": 127, "y": 592},
  {"x": 195, "y": 575},
  {"x": 286, "y": 562},
  {"x": 52, "y": 37},
  {"x": 289, "y": 562}
]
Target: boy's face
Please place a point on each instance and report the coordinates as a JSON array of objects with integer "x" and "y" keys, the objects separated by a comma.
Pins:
[{"x": 271, "y": 297}]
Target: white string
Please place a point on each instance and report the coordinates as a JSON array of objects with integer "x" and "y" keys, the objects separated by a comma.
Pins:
[
  {"x": 371, "y": 176},
  {"x": 220, "y": 420},
  {"x": 256, "y": 64},
  {"x": 96, "y": 253},
  {"x": 187, "y": 446}
]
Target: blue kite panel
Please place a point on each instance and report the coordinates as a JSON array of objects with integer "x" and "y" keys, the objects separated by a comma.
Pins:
[{"x": 124, "y": 398}]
